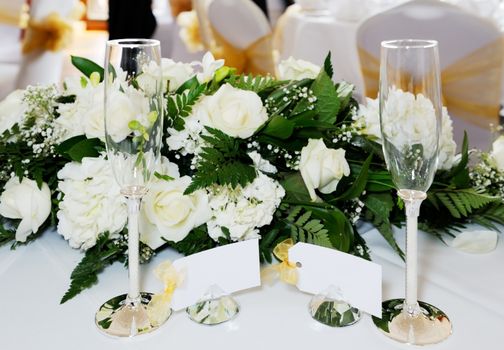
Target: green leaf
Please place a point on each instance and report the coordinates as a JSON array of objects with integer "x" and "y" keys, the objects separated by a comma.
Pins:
[
  {"x": 459, "y": 176},
  {"x": 295, "y": 187},
  {"x": 328, "y": 102},
  {"x": 96, "y": 258},
  {"x": 79, "y": 147},
  {"x": 381, "y": 205},
  {"x": 251, "y": 83},
  {"x": 279, "y": 127},
  {"x": 196, "y": 241},
  {"x": 328, "y": 68},
  {"x": 340, "y": 230},
  {"x": 188, "y": 85},
  {"x": 87, "y": 67},
  {"x": 359, "y": 184},
  {"x": 461, "y": 203},
  {"x": 163, "y": 177}
]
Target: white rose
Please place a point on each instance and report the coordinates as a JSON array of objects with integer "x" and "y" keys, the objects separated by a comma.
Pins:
[
  {"x": 92, "y": 203},
  {"x": 321, "y": 167},
  {"x": 292, "y": 69},
  {"x": 12, "y": 110},
  {"x": 236, "y": 112},
  {"x": 497, "y": 153},
  {"x": 27, "y": 202},
  {"x": 168, "y": 213}
]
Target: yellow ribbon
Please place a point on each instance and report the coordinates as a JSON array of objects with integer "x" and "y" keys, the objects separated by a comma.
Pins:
[
  {"x": 285, "y": 270},
  {"x": 158, "y": 308},
  {"x": 462, "y": 83},
  {"x": 52, "y": 33}
]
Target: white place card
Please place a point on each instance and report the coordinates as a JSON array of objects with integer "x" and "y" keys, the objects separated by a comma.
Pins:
[
  {"x": 359, "y": 280},
  {"x": 232, "y": 268}
]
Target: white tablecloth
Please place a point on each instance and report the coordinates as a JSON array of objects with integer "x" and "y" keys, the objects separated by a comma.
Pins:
[{"x": 469, "y": 288}]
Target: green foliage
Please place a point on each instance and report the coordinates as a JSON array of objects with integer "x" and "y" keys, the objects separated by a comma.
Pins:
[
  {"x": 196, "y": 241},
  {"x": 359, "y": 185},
  {"x": 251, "y": 83},
  {"x": 295, "y": 188},
  {"x": 304, "y": 228},
  {"x": 7, "y": 235},
  {"x": 222, "y": 162},
  {"x": 379, "y": 208},
  {"x": 460, "y": 203},
  {"x": 79, "y": 147},
  {"x": 328, "y": 68},
  {"x": 279, "y": 127},
  {"x": 180, "y": 105},
  {"x": 85, "y": 274},
  {"x": 328, "y": 102},
  {"x": 87, "y": 67},
  {"x": 489, "y": 215}
]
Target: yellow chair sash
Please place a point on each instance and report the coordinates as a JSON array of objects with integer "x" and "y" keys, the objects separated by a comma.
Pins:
[
  {"x": 51, "y": 33},
  {"x": 255, "y": 59},
  {"x": 471, "y": 86}
]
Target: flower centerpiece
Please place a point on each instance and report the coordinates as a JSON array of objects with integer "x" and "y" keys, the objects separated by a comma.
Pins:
[{"x": 244, "y": 157}]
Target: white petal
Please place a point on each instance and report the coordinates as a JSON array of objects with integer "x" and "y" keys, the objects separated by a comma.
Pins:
[{"x": 475, "y": 242}]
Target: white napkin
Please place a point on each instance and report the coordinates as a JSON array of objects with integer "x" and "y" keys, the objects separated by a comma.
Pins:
[{"x": 475, "y": 242}]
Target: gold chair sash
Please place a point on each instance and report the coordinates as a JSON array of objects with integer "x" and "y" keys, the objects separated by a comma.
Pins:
[
  {"x": 51, "y": 33},
  {"x": 255, "y": 59},
  {"x": 471, "y": 86}
]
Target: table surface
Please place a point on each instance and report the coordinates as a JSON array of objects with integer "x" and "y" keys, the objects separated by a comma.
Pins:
[{"x": 469, "y": 288}]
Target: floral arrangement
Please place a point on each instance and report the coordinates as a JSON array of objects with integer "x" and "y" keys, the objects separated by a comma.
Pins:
[{"x": 243, "y": 157}]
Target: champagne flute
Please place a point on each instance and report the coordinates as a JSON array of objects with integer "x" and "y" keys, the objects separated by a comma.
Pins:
[
  {"x": 133, "y": 133},
  {"x": 410, "y": 119}
]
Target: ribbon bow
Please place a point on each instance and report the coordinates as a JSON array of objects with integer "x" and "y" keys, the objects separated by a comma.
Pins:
[
  {"x": 285, "y": 270},
  {"x": 158, "y": 308},
  {"x": 52, "y": 33}
]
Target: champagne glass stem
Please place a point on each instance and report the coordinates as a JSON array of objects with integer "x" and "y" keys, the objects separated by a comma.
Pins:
[
  {"x": 412, "y": 200},
  {"x": 133, "y": 248}
]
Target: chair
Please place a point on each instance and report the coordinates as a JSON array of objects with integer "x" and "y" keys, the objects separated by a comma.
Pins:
[
  {"x": 242, "y": 35},
  {"x": 471, "y": 57},
  {"x": 42, "y": 66}
]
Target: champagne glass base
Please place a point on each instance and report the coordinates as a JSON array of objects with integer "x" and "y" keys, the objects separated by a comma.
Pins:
[
  {"x": 429, "y": 326},
  {"x": 125, "y": 317}
]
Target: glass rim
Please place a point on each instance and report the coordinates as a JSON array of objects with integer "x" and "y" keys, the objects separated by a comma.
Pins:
[
  {"x": 409, "y": 44},
  {"x": 133, "y": 42}
]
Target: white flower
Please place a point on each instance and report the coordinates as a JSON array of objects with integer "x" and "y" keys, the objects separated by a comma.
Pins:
[
  {"x": 262, "y": 164},
  {"x": 292, "y": 69},
  {"x": 321, "y": 167},
  {"x": 369, "y": 116},
  {"x": 244, "y": 210},
  {"x": 24, "y": 200},
  {"x": 189, "y": 31},
  {"x": 169, "y": 214},
  {"x": 12, "y": 110},
  {"x": 92, "y": 202},
  {"x": 497, "y": 153},
  {"x": 176, "y": 73},
  {"x": 409, "y": 119},
  {"x": 187, "y": 140},
  {"x": 208, "y": 65},
  {"x": 447, "y": 145},
  {"x": 403, "y": 127},
  {"x": 236, "y": 112}
]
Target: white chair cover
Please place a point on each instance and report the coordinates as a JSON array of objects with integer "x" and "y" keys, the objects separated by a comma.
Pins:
[
  {"x": 240, "y": 22},
  {"x": 44, "y": 67},
  {"x": 458, "y": 32}
]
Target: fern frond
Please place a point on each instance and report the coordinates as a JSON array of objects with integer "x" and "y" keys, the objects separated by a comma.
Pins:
[
  {"x": 305, "y": 229},
  {"x": 251, "y": 83},
  {"x": 463, "y": 202},
  {"x": 180, "y": 105}
]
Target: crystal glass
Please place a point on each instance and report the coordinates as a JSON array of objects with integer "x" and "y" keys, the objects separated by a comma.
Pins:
[
  {"x": 410, "y": 118},
  {"x": 133, "y": 133}
]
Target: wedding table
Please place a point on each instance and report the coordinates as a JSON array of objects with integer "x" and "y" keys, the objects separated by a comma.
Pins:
[{"x": 469, "y": 288}]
